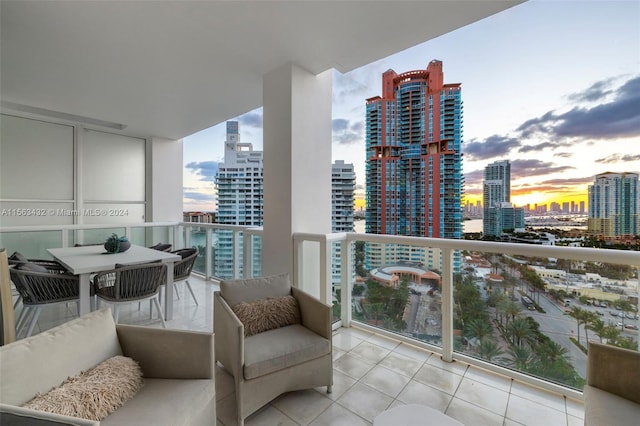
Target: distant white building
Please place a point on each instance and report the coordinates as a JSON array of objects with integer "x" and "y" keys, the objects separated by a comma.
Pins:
[
  {"x": 343, "y": 185},
  {"x": 239, "y": 182}
]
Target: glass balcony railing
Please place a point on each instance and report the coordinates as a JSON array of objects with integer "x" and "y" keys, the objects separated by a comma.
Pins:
[
  {"x": 220, "y": 246},
  {"x": 521, "y": 310}
]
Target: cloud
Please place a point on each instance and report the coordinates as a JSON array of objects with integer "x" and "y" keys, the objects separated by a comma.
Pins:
[
  {"x": 618, "y": 118},
  {"x": 598, "y": 91},
  {"x": 618, "y": 158},
  {"x": 534, "y": 167},
  {"x": 251, "y": 119},
  {"x": 197, "y": 196},
  {"x": 493, "y": 147},
  {"x": 347, "y": 132},
  {"x": 205, "y": 169},
  {"x": 540, "y": 147},
  {"x": 473, "y": 181}
]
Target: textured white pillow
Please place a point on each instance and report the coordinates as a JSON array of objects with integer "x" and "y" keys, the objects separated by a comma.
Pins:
[{"x": 95, "y": 393}]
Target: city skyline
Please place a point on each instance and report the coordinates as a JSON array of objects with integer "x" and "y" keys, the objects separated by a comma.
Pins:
[{"x": 551, "y": 86}]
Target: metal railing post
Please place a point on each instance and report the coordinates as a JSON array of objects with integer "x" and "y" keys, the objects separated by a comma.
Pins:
[{"x": 345, "y": 289}]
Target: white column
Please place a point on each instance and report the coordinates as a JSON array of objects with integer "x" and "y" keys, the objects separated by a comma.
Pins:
[
  {"x": 164, "y": 180},
  {"x": 297, "y": 161}
]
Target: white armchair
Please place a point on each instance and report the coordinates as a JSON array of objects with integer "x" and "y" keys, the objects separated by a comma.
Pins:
[{"x": 279, "y": 360}]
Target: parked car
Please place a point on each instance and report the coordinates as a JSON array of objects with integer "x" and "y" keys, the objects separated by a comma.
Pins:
[
  {"x": 631, "y": 326},
  {"x": 600, "y": 313}
]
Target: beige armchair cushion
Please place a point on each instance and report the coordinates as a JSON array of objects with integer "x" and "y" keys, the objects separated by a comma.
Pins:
[
  {"x": 250, "y": 290},
  {"x": 281, "y": 348}
]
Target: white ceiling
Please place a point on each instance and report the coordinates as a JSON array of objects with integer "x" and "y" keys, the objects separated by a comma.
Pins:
[{"x": 172, "y": 68}]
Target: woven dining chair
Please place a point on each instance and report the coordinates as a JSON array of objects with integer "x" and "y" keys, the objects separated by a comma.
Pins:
[
  {"x": 39, "y": 289},
  {"x": 50, "y": 265},
  {"x": 130, "y": 284},
  {"x": 182, "y": 268}
]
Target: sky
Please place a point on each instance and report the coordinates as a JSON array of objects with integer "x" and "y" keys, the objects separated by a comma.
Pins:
[{"x": 551, "y": 86}]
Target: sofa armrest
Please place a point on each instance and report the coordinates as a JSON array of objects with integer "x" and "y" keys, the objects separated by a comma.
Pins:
[
  {"x": 315, "y": 315},
  {"x": 20, "y": 416},
  {"x": 169, "y": 354},
  {"x": 614, "y": 370},
  {"x": 230, "y": 334}
]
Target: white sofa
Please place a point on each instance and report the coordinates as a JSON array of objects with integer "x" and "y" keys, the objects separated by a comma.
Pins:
[
  {"x": 178, "y": 369},
  {"x": 612, "y": 393}
]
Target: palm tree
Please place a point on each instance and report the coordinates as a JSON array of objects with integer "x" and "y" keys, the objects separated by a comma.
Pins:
[
  {"x": 520, "y": 331},
  {"x": 478, "y": 328},
  {"x": 588, "y": 318},
  {"x": 521, "y": 357},
  {"x": 512, "y": 310},
  {"x": 597, "y": 326},
  {"x": 489, "y": 350},
  {"x": 553, "y": 351},
  {"x": 577, "y": 313}
]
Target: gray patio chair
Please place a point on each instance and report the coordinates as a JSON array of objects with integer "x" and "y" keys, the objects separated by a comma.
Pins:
[
  {"x": 130, "y": 284},
  {"x": 39, "y": 289},
  {"x": 50, "y": 265},
  {"x": 161, "y": 247},
  {"x": 182, "y": 269}
]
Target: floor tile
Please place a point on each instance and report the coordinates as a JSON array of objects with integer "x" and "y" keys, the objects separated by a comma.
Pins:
[
  {"x": 385, "y": 380},
  {"x": 302, "y": 406},
  {"x": 401, "y": 364},
  {"x": 418, "y": 393},
  {"x": 365, "y": 401},
  {"x": 532, "y": 413},
  {"x": 383, "y": 341},
  {"x": 269, "y": 415},
  {"x": 353, "y": 366},
  {"x": 541, "y": 396},
  {"x": 413, "y": 352},
  {"x": 438, "y": 378},
  {"x": 337, "y": 353},
  {"x": 226, "y": 410},
  {"x": 488, "y": 378},
  {"x": 370, "y": 352},
  {"x": 356, "y": 332},
  {"x": 470, "y": 414},
  {"x": 457, "y": 367},
  {"x": 337, "y": 415},
  {"x": 341, "y": 383},
  {"x": 481, "y": 395},
  {"x": 575, "y": 408},
  {"x": 574, "y": 421},
  {"x": 345, "y": 342}
]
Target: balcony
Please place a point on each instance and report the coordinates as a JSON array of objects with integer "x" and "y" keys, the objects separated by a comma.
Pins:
[
  {"x": 372, "y": 372},
  {"x": 375, "y": 367}
]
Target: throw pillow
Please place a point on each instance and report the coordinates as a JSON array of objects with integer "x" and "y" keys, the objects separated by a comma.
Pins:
[
  {"x": 267, "y": 314},
  {"x": 95, "y": 393}
]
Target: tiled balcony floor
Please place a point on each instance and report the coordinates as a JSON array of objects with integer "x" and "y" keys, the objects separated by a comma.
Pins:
[{"x": 371, "y": 373}]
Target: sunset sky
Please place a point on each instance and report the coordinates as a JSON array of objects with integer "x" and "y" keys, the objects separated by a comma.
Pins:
[{"x": 552, "y": 86}]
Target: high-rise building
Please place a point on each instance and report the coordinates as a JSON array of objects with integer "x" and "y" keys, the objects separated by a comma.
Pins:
[
  {"x": 239, "y": 182},
  {"x": 499, "y": 214},
  {"x": 614, "y": 207},
  {"x": 414, "y": 176},
  {"x": 343, "y": 185}
]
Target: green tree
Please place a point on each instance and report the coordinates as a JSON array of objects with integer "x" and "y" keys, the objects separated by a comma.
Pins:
[
  {"x": 520, "y": 331},
  {"x": 577, "y": 313},
  {"x": 478, "y": 328},
  {"x": 521, "y": 357},
  {"x": 489, "y": 350}
]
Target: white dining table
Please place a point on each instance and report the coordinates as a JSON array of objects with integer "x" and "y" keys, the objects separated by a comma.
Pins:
[{"x": 87, "y": 260}]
